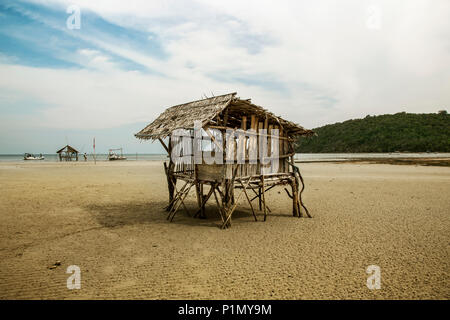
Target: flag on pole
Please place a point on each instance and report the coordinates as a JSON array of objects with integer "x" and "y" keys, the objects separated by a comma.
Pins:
[{"x": 95, "y": 160}]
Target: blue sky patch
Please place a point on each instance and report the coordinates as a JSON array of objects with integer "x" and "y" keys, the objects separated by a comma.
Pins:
[{"x": 37, "y": 36}]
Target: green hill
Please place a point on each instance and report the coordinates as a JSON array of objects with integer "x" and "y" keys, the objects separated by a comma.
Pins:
[{"x": 386, "y": 133}]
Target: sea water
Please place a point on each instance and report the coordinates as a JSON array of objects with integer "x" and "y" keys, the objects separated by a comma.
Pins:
[{"x": 298, "y": 157}]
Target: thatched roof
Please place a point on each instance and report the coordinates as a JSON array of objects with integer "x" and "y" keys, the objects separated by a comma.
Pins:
[
  {"x": 67, "y": 148},
  {"x": 183, "y": 116}
]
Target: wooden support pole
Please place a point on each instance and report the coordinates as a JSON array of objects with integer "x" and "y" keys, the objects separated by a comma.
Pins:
[
  {"x": 164, "y": 145},
  {"x": 243, "y": 146},
  {"x": 171, "y": 180},
  {"x": 225, "y": 118},
  {"x": 258, "y": 169},
  {"x": 225, "y": 205},
  {"x": 171, "y": 183},
  {"x": 299, "y": 179},
  {"x": 295, "y": 211},
  {"x": 259, "y": 198},
  {"x": 262, "y": 135},
  {"x": 248, "y": 199},
  {"x": 201, "y": 199},
  {"x": 182, "y": 197},
  {"x": 269, "y": 148},
  {"x": 253, "y": 145},
  {"x": 281, "y": 150},
  {"x": 235, "y": 205},
  {"x": 202, "y": 205},
  {"x": 221, "y": 213},
  {"x": 264, "y": 197},
  {"x": 176, "y": 199},
  {"x": 213, "y": 139}
]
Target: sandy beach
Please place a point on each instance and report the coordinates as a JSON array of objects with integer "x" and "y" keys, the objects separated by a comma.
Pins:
[{"x": 109, "y": 220}]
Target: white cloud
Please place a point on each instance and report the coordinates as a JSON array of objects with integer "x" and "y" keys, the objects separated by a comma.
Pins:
[{"x": 319, "y": 61}]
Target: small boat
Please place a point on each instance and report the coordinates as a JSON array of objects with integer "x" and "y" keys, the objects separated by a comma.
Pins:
[
  {"x": 114, "y": 156},
  {"x": 29, "y": 156}
]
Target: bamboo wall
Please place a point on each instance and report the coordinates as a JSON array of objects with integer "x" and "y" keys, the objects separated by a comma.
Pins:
[{"x": 249, "y": 143}]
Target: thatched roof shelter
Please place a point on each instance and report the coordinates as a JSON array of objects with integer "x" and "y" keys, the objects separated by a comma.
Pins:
[
  {"x": 68, "y": 153},
  {"x": 207, "y": 110},
  {"x": 67, "y": 148}
]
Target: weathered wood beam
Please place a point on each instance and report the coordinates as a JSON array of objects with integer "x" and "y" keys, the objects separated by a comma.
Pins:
[
  {"x": 248, "y": 199},
  {"x": 235, "y": 205},
  {"x": 249, "y": 133},
  {"x": 264, "y": 197},
  {"x": 164, "y": 145}
]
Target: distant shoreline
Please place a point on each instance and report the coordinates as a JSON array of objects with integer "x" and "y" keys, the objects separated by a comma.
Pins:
[
  {"x": 438, "y": 161},
  {"x": 422, "y": 161}
]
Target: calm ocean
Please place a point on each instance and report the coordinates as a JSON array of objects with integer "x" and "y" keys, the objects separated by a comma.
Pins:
[
  {"x": 100, "y": 157},
  {"x": 298, "y": 156}
]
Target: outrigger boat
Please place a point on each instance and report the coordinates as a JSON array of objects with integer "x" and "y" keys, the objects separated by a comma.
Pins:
[
  {"x": 114, "y": 156},
  {"x": 29, "y": 156}
]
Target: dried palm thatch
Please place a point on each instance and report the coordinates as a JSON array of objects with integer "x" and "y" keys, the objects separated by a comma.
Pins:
[
  {"x": 67, "y": 148},
  {"x": 210, "y": 111},
  {"x": 67, "y": 153}
]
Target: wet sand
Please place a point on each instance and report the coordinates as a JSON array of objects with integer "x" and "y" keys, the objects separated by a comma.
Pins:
[
  {"x": 109, "y": 220},
  {"x": 437, "y": 161}
]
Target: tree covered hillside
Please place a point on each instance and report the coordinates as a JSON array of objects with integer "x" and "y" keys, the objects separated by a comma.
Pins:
[{"x": 386, "y": 133}]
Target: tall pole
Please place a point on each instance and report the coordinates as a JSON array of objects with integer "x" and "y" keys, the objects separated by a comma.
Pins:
[{"x": 95, "y": 159}]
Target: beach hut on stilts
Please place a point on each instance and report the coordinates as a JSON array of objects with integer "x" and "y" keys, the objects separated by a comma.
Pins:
[{"x": 227, "y": 149}]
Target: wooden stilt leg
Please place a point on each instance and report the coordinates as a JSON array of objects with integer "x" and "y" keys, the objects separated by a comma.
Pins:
[
  {"x": 184, "y": 205},
  {"x": 182, "y": 197},
  {"x": 249, "y": 201},
  {"x": 224, "y": 205},
  {"x": 259, "y": 198},
  {"x": 221, "y": 213},
  {"x": 176, "y": 197},
  {"x": 295, "y": 212},
  {"x": 197, "y": 192},
  {"x": 230, "y": 213},
  {"x": 201, "y": 198},
  {"x": 299, "y": 179},
  {"x": 228, "y": 197},
  {"x": 170, "y": 182},
  {"x": 205, "y": 199},
  {"x": 264, "y": 197},
  {"x": 298, "y": 199}
]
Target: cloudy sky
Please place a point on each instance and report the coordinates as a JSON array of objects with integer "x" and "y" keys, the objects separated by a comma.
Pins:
[{"x": 312, "y": 62}]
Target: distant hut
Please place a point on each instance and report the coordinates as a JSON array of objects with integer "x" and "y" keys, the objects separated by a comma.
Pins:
[
  {"x": 236, "y": 130},
  {"x": 67, "y": 153}
]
